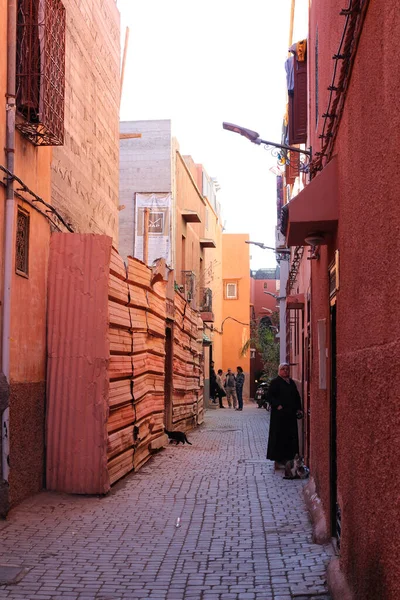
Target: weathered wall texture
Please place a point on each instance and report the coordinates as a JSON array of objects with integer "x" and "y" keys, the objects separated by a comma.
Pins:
[
  {"x": 85, "y": 169},
  {"x": 28, "y": 302},
  {"x": 145, "y": 166},
  {"x": 368, "y": 327},
  {"x": 106, "y": 366}
]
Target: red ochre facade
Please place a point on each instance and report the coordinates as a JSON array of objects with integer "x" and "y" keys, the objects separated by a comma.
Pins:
[{"x": 367, "y": 327}]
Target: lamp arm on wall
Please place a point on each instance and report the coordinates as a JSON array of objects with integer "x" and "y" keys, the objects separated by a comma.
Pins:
[{"x": 233, "y": 319}]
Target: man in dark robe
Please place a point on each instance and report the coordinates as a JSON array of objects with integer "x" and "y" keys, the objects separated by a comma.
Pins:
[
  {"x": 285, "y": 401},
  {"x": 213, "y": 383}
]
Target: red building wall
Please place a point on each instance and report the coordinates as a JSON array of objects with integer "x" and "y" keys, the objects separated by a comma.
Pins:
[
  {"x": 368, "y": 327},
  {"x": 261, "y": 301}
]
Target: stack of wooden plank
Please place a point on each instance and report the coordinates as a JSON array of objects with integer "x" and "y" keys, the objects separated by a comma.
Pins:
[
  {"x": 137, "y": 313},
  {"x": 112, "y": 331},
  {"x": 187, "y": 404}
]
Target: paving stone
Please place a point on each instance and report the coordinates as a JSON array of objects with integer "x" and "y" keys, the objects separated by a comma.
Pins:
[{"x": 244, "y": 531}]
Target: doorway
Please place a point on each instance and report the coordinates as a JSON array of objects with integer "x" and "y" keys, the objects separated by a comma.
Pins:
[
  {"x": 335, "y": 509},
  {"x": 168, "y": 379}
]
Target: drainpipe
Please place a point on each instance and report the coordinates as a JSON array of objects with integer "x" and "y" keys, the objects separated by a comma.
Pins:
[{"x": 9, "y": 218}]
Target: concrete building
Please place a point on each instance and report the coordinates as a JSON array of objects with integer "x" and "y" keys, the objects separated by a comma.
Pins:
[
  {"x": 184, "y": 219},
  {"x": 84, "y": 170}
]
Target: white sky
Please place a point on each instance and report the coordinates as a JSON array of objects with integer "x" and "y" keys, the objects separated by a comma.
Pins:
[{"x": 202, "y": 63}]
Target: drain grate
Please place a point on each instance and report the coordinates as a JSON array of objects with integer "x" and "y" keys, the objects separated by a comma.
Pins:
[{"x": 10, "y": 574}]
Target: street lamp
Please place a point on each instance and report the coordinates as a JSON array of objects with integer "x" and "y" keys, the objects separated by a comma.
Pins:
[
  {"x": 264, "y": 247},
  {"x": 278, "y": 150}
]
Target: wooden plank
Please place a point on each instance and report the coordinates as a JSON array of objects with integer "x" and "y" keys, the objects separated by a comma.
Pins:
[
  {"x": 142, "y": 342},
  {"x": 119, "y": 392},
  {"x": 121, "y": 417},
  {"x": 121, "y": 341},
  {"x": 120, "y": 465},
  {"x": 117, "y": 266},
  {"x": 129, "y": 136},
  {"x": 117, "y": 289},
  {"x": 138, "y": 319},
  {"x": 138, "y": 296},
  {"x": 119, "y": 315},
  {"x": 120, "y": 367},
  {"x": 120, "y": 441},
  {"x": 148, "y": 406},
  {"x": 148, "y": 383},
  {"x": 138, "y": 272},
  {"x": 156, "y": 325},
  {"x": 145, "y": 363}
]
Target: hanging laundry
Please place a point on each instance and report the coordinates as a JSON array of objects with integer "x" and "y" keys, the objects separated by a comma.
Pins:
[{"x": 289, "y": 67}]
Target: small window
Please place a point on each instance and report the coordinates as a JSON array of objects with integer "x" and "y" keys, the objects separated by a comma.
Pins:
[
  {"x": 22, "y": 244},
  {"x": 231, "y": 291}
]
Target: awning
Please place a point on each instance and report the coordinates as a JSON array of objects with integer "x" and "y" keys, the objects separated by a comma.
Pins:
[
  {"x": 295, "y": 301},
  {"x": 315, "y": 210}
]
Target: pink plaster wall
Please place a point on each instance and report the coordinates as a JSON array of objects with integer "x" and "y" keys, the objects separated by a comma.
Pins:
[
  {"x": 368, "y": 327},
  {"x": 78, "y": 362}
]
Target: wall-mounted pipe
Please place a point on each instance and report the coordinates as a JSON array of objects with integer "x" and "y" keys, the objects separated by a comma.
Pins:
[{"x": 9, "y": 216}]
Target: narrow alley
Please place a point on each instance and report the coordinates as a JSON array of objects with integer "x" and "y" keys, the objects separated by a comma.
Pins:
[{"x": 210, "y": 521}]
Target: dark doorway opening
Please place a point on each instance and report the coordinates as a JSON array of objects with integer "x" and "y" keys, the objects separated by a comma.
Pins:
[
  {"x": 335, "y": 508},
  {"x": 168, "y": 379}
]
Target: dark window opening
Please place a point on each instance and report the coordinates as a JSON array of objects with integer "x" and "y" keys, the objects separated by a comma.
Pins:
[{"x": 22, "y": 244}]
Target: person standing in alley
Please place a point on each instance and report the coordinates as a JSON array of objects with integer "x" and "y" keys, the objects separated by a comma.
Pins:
[
  {"x": 239, "y": 387},
  {"x": 220, "y": 388},
  {"x": 230, "y": 388},
  {"x": 213, "y": 383},
  {"x": 285, "y": 402}
]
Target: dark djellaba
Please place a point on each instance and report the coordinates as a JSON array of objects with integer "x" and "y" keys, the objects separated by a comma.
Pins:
[{"x": 285, "y": 401}]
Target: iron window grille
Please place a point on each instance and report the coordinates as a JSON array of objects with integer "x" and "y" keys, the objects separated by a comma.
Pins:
[
  {"x": 41, "y": 71},
  {"x": 22, "y": 243},
  {"x": 189, "y": 283},
  {"x": 206, "y": 304}
]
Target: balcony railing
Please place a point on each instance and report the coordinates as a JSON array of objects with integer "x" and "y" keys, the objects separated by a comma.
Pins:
[{"x": 206, "y": 300}]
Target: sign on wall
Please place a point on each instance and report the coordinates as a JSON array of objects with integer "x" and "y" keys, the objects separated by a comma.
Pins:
[{"x": 159, "y": 230}]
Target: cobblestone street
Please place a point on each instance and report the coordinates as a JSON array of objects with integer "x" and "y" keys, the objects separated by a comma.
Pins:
[{"x": 210, "y": 521}]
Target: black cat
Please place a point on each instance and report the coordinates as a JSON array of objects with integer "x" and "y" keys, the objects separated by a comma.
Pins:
[{"x": 177, "y": 436}]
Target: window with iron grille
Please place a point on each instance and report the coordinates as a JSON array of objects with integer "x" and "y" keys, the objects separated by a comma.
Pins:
[
  {"x": 41, "y": 71},
  {"x": 22, "y": 243}
]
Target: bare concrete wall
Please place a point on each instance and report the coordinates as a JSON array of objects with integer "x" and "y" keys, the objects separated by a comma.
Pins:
[
  {"x": 85, "y": 169},
  {"x": 145, "y": 166}
]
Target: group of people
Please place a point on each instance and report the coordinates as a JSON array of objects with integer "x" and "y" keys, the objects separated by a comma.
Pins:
[{"x": 228, "y": 385}]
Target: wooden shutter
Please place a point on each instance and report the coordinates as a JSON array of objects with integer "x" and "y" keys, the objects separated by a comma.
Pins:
[{"x": 298, "y": 105}]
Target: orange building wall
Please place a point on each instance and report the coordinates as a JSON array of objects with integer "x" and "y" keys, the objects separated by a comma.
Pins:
[
  {"x": 236, "y": 267},
  {"x": 188, "y": 197}
]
